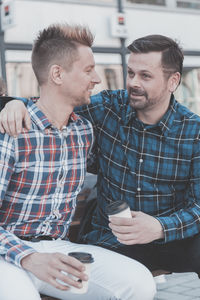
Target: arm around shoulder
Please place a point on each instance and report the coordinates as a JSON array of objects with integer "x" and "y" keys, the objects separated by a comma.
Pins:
[{"x": 13, "y": 116}]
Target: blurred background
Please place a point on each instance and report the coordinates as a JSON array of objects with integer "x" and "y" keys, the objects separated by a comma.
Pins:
[{"x": 115, "y": 23}]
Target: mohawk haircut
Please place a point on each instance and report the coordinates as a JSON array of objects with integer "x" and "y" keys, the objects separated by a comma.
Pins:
[{"x": 58, "y": 44}]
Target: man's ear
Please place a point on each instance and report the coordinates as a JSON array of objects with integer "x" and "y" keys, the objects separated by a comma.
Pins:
[
  {"x": 56, "y": 74},
  {"x": 173, "y": 81}
]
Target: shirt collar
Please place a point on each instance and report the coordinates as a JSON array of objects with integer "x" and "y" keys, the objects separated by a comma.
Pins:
[
  {"x": 167, "y": 120},
  {"x": 41, "y": 120},
  {"x": 164, "y": 124}
]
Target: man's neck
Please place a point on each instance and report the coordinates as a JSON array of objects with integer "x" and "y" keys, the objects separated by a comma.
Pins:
[
  {"x": 153, "y": 116},
  {"x": 57, "y": 112}
]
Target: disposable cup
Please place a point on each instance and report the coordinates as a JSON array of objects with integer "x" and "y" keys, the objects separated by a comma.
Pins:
[
  {"x": 86, "y": 259},
  {"x": 118, "y": 209}
]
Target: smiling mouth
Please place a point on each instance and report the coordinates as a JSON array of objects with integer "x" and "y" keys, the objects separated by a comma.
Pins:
[{"x": 137, "y": 95}]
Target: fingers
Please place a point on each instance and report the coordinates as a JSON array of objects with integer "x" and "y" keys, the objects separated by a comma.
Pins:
[
  {"x": 67, "y": 279},
  {"x": 76, "y": 273},
  {"x": 17, "y": 122},
  {"x": 3, "y": 122},
  {"x": 12, "y": 117},
  {"x": 57, "y": 285},
  {"x": 129, "y": 242},
  {"x": 8, "y": 123},
  {"x": 121, "y": 221},
  {"x": 120, "y": 229},
  {"x": 27, "y": 122},
  {"x": 55, "y": 268},
  {"x": 64, "y": 268},
  {"x": 11, "y": 124},
  {"x": 2, "y": 130},
  {"x": 73, "y": 262},
  {"x": 124, "y": 230}
]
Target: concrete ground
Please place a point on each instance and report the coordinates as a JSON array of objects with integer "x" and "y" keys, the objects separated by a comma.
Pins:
[{"x": 181, "y": 286}]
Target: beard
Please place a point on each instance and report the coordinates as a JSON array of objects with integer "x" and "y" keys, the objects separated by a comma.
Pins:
[{"x": 140, "y": 100}]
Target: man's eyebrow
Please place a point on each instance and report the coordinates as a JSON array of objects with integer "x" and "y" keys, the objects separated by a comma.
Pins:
[
  {"x": 143, "y": 70},
  {"x": 90, "y": 66}
]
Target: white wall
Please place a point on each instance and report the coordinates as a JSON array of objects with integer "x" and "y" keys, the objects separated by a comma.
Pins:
[
  {"x": 31, "y": 16},
  {"x": 181, "y": 26}
]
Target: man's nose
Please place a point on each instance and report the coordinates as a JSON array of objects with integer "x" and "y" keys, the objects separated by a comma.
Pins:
[
  {"x": 134, "y": 81},
  {"x": 96, "y": 79}
]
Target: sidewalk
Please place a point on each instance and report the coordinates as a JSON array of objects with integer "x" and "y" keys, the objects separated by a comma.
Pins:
[{"x": 181, "y": 286}]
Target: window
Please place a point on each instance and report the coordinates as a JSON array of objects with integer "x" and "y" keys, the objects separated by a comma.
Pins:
[
  {"x": 188, "y": 93},
  {"x": 193, "y": 4},
  {"x": 149, "y": 2}
]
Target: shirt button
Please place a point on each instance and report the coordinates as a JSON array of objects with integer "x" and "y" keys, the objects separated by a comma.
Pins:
[
  {"x": 61, "y": 183},
  {"x": 141, "y": 160},
  {"x": 138, "y": 189},
  {"x": 56, "y": 212},
  {"x": 46, "y": 222}
]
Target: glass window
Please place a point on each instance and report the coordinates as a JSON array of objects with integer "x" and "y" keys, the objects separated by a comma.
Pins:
[
  {"x": 111, "y": 77},
  {"x": 149, "y": 2},
  {"x": 21, "y": 80},
  {"x": 188, "y": 93},
  {"x": 193, "y": 4}
]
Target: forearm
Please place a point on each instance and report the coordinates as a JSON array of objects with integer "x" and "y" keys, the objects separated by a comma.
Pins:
[
  {"x": 12, "y": 248},
  {"x": 4, "y": 100},
  {"x": 181, "y": 224}
]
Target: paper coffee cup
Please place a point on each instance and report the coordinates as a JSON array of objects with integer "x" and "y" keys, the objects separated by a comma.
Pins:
[
  {"x": 86, "y": 259},
  {"x": 118, "y": 209}
]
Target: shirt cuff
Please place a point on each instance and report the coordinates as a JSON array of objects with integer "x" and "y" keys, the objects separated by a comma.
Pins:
[
  {"x": 170, "y": 229},
  {"x": 24, "y": 100},
  {"x": 16, "y": 253}
]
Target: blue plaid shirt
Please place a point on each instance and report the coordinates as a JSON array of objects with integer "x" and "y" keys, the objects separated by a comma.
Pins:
[{"x": 154, "y": 168}]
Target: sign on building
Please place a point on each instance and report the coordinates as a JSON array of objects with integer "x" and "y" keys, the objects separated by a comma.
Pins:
[
  {"x": 118, "y": 26},
  {"x": 7, "y": 14}
]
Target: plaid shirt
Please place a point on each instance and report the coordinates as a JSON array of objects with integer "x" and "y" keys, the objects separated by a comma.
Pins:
[
  {"x": 42, "y": 172},
  {"x": 154, "y": 168}
]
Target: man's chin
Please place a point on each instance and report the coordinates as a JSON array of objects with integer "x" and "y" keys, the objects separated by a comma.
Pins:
[
  {"x": 136, "y": 104},
  {"x": 87, "y": 101}
]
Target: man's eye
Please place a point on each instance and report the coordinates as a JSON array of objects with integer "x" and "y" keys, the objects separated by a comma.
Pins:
[
  {"x": 146, "y": 76},
  {"x": 130, "y": 73}
]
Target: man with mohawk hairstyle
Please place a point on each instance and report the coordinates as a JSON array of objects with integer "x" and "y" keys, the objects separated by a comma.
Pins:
[{"x": 42, "y": 172}]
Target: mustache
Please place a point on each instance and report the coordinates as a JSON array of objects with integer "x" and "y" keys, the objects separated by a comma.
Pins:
[{"x": 137, "y": 92}]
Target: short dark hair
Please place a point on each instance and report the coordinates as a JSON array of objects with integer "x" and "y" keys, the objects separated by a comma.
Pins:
[
  {"x": 172, "y": 55},
  {"x": 58, "y": 44}
]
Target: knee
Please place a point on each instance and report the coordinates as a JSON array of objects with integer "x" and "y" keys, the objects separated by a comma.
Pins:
[{"x": 143, "y": 286}]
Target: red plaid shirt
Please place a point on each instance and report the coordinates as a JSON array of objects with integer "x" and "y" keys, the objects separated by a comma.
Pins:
[{"x": 42, "y": 172}]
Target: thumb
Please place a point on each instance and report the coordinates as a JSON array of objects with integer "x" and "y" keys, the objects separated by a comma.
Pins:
[{"x": 134, "y": 213}]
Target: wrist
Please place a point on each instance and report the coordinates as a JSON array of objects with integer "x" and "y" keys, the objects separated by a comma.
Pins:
[
  {"x": 26, "y": 261},
  {"x": 160, "y": 231}
]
